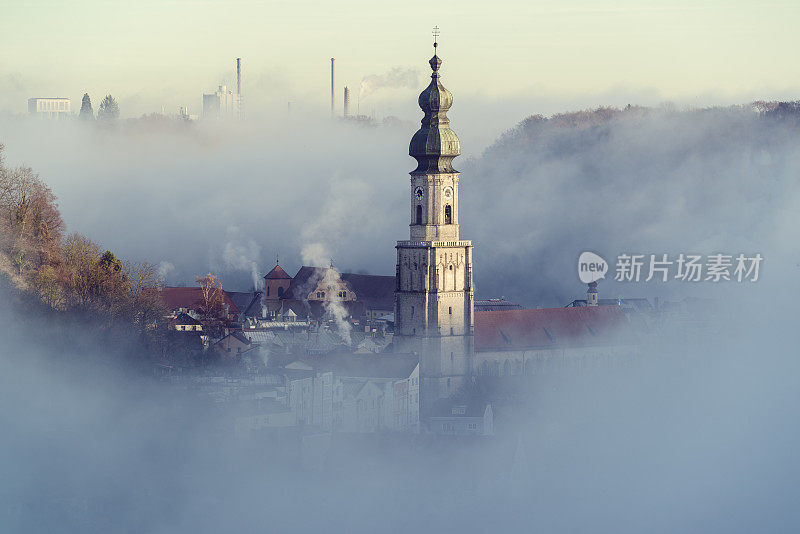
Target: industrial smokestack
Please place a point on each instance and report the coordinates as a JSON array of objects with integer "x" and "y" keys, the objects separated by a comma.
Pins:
[
  {"x": 346, "y": 102},
  {"x": 238, "y": 76},
  {"x": 333, "y": 92}
]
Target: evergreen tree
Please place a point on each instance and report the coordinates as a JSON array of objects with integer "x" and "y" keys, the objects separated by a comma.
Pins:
[
  {"x": 108, "y": 110},
  {"x": 87, "y": 113}
]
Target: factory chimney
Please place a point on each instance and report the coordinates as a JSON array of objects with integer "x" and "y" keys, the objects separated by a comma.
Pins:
[
  {"x": 346, "y": 102},
  {"x": 238, "y": 76},
  {"x": 238, "y": 97},
  {"x": 333, "y": 93}
]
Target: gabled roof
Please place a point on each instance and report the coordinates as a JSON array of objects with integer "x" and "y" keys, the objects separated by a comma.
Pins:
[
  {"x": 551, "y": 328},
  {"x": 375, "y": 291},
  {"x": 304, "y": 282},
  {"x": 186, "y": 319},
  {"x": 296, "y": 306},
  {"x": 190, "y": 298},
  {"x": 249, "y": 303},
  {"x": 277, "y": 273},
  {"x": 236, "y": 334}
]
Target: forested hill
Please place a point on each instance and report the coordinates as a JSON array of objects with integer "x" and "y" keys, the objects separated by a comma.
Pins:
[
  {"x": 64, "y": 288},
  {"x": 635, "y": 180}
]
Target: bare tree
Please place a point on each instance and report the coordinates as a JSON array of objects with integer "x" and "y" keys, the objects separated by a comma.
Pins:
[{"x": 213, "y": 295}]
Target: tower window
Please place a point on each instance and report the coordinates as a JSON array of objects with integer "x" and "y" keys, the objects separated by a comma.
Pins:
[
  {"x": 448, "y": 214},
  {"x": 451, "y": 330},
  {"x": 267, "y": 290},
  {"x": 419, "y": 214},
  {"x": 450, "y": 310},
  {"x": 280, "y": 292},
  {"x": 412, "y": 311}
]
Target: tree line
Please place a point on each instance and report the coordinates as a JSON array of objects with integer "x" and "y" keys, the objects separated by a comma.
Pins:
[
  {"x": 108, "y": 110},
  {"x": 68, "y": 272}
]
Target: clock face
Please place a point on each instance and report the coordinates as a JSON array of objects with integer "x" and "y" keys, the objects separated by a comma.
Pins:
[{"x": 418, "y": 193}]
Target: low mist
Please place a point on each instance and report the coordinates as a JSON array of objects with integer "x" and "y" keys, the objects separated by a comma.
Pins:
[
  {"x": 697, "y": 436},
  {"x": 229, "y": 198}
]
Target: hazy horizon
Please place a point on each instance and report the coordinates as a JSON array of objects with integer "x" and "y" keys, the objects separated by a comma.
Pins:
[{"x": 547, "y": 57}]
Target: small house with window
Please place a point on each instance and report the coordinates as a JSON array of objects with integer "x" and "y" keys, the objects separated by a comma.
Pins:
[{"x": 451, "y": 419}]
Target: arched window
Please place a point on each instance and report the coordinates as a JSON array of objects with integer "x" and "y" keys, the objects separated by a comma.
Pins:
[
  {"x": 280, "y": 292},
  {"x": 267, "y": 290},
  {"x": 448, "y": 214},
  {"x": 419, "y": 214}
]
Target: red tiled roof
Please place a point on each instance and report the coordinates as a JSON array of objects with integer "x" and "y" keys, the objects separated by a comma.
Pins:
[
  {"x": 277, "y": 273},
  {"x": 550, "y": 328},
  {"x": 190, "y": 298}
]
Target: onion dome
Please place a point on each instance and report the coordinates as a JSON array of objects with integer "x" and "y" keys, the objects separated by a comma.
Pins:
[{"x": 435, "y": 145}]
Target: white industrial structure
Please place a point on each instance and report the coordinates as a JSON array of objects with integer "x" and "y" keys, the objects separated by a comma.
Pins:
[
  {"x": 50, "y": 108},
  {"x": 221, "y": 104},
  {"x": 225, "y": 104}
]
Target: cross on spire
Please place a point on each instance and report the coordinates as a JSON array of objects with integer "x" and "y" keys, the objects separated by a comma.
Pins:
[{"x": 436, "y": 34}]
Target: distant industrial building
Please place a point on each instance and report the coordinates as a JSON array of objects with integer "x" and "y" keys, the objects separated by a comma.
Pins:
[
  {"x": 221, "y": 104},
  {"x": 225, "y": 104},
  {"x": 49, "y": 108}
]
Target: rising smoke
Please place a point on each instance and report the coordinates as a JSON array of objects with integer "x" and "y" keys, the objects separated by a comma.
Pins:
[
  {"x": 699, "y": 436},
  {"x": 396, "y": 78},
  {"x": 702, "y": 181},
  {"x": 241, "y": 254}
]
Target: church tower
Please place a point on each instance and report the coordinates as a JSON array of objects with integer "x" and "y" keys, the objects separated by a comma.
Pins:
[{"x": 434, "y": 293}]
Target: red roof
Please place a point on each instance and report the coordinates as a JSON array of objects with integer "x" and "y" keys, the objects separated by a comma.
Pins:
[
  {"x": 190, "y": 298},
  {"x": 550, "y": 328},
  {"x": 277, "y": 273}
]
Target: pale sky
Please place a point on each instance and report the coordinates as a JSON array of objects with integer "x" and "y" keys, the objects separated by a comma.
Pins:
[{"x": 152, "y": 53}]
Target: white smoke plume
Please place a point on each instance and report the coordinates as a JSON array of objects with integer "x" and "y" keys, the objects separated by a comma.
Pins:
[
  {"x": 242, "y": 253},
  {"x": 164, "y": 269},
  {"x": 701, "y": 440},
  {"x": 316, "y": 254},
  {"x": 396, "y": 78}
]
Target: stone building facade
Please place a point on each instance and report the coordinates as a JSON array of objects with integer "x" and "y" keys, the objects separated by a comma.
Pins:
[{"x": 434, "y": 295}]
